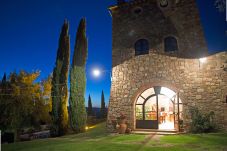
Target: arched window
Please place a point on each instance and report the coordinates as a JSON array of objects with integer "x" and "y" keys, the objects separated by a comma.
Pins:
[
  {"x": 141, "y": 47},
  {"x": 170, "y": 44}
]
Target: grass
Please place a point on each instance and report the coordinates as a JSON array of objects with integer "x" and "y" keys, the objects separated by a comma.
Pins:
[{"x": 97, "y": 139}]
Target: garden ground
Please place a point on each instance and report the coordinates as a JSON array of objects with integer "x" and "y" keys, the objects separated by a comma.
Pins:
[{"x": 96, "y": 139}]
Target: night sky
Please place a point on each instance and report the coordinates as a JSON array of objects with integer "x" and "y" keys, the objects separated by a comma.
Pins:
[{"x": 29, "y": 32}]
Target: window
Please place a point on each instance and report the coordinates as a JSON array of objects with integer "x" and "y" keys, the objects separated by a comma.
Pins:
[
  {"x": 150, "y": 108},
  {"x": 139, "y": 112},
  {"x": 167, "y": 92},
  {"x": 148, "y": 93},
  {"x": 141, "y": 47},
  {"x": 164, "y": 3},
  {"x": 170, "y": 44},
  {"x": 137, "y": 10}
]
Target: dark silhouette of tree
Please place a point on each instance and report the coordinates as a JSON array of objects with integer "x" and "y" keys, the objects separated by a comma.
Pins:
[
  {"x": 4, "y": 78},
  {"x": 59, "y": 85},
  {"x": 103, "y": 107},
  {"x": 78, "y": 114},
  {"x": 220, "y": 5},
  {"x": 89, "y": 109}
]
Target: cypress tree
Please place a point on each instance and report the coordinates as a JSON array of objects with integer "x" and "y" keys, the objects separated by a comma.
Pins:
[
  {"x": 3, "y": 86},
  {"x": 89, "y": 109},
  {"x": 103, "y": 107},
  {"x": 3, "y": 83},
  {"x": 59, "y": 84},
  {"x": 78, "y": 80},
  {"x": 4, "y": 78}
]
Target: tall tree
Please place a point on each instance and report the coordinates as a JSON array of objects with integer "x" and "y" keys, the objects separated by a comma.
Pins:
[
  {"x": 21, "y": 103},
  {"x": 78, "y": 80},
  {"x": 89, "y": 109},
  {"x": 59, "y": 84},
  {"x": 103, "y": 107},
  {"x": 4, "y": 101},
  {"x": 4, "y": 78},
  {"x": 220, "y": 5},
  {"x": 46, "y": 93}
]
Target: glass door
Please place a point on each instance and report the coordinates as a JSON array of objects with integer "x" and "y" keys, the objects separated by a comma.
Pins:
[
  {"x": 159, "y": 108},
  {"x": 147, "y": 115},
  {"x": 176, "y": 113},
  {"x": 165, "y": 110}
]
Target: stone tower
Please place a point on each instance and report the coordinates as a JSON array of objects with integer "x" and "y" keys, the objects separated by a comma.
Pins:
[
  {"x": 165, "y": 26},
  {"x": 157, "y": 75}
]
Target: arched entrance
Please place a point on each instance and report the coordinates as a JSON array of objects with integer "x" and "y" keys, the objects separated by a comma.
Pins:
[{"x": 158, "y": 108}]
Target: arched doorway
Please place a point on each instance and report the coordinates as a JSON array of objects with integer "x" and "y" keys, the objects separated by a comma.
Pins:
[{"x": 158, "y": 108}]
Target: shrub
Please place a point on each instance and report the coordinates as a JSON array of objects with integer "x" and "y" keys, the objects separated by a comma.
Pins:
[{"x": 202, "y": 123}]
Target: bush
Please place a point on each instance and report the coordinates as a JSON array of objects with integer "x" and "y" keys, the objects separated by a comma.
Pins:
[{"x": 202, "y": 123}]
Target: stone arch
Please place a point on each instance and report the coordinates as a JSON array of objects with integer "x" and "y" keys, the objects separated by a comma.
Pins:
[
  {"x": 144, "y": 87},
  {"x": 171, "y": 44},
  {"x": 141, "y": 47}
]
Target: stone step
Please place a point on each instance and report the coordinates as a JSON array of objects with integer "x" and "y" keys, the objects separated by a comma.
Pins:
[{"x": 156, "y": 132}]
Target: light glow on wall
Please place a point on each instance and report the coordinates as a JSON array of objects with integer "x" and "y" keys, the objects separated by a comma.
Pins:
[{"x": 202, "y": 60}]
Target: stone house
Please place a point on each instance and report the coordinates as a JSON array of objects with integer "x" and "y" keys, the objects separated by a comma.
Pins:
[{"x": 161, "y": 66}]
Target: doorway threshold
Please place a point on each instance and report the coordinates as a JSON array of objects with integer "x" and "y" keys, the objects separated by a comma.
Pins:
[{"x": 155, "y": 131}]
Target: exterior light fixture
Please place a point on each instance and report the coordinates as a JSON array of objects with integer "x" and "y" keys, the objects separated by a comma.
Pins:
[{"x": 202, "y": 60}]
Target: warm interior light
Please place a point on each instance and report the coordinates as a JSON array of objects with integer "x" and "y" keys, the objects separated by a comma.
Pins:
[
  {"x": 86, "y": 128},
  {"x": 96, "y": 72},
  {"x": 202, "y": 60},
  {"x": 169, "y": 93}
]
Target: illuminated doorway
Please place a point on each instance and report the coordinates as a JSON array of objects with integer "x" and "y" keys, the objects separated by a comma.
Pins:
[{"x": 158, "y": 108}]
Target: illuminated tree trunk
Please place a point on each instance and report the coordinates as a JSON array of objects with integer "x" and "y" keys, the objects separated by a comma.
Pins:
[
  {"x": 78, "y": 80},
  {"x": 59, "y": 85}
]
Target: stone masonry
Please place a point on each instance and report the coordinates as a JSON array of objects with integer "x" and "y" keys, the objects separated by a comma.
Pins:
[
  {"x": 199, "y": 84},
  {"x": 180, "y": 19}
]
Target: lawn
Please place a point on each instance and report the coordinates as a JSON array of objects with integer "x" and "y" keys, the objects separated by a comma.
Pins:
[{"x": 96, "y": 139}]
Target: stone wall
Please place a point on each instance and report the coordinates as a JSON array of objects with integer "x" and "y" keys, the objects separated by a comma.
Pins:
[
  {"x": 199, "y": 84},
  {"x": 154, "y": 23},
  {"x": 225, "y": 118}
]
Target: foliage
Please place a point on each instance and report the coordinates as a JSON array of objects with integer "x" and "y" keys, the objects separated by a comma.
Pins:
[
  {"x": 89, "y": 109},
  {"x": 22, "y": 102},
  {"x": 77, "y": 100},
  {"x": 59, "y": 85},
  {"x": 46, "y": 86},
  {"x": 80, "y": 49},
  {"x": 220, "y": 5},
  {"x": 201, "y": 123},
  {"x": 103, "y": 107},
  {"x": 78, "y": 81}
]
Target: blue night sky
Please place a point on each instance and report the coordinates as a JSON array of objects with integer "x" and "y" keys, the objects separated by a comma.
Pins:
[{"x": 29, "y": 32}]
